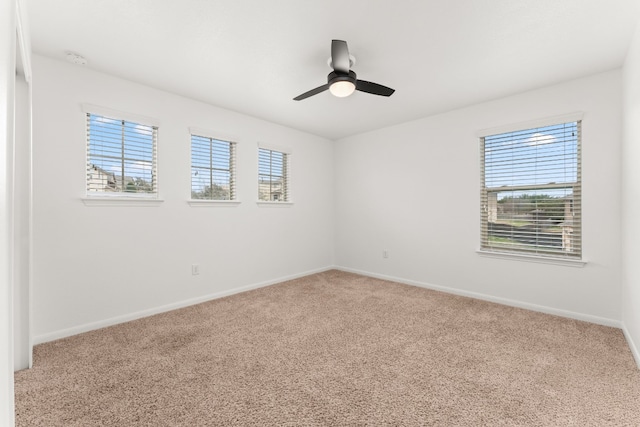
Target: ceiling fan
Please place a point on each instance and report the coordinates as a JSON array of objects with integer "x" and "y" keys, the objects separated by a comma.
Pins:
[{"x": 342, "y": 81}]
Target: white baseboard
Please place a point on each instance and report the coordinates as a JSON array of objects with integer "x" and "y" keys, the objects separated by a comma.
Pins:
[
  {"x": 632, "y": 345},
  {"x": 505, "y": 301},
  {"x": 51, "y": 336}
]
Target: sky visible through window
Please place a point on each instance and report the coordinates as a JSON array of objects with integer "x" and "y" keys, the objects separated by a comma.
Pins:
[
  {"x": 271, "y": 164},
  {"x": 540, "y": 156}
]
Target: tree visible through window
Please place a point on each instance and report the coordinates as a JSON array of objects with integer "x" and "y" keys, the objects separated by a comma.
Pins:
[
  {"x": 273, "y": 175},
  {"x": 531, "y": 191},
  {"x": 121, "y": 156}
]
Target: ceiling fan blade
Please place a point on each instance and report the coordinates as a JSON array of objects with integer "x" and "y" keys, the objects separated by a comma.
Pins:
[
  {"x": 340, "y": 56},
  {"x": 374, "y": 88},
  {"x": 312, "y": 92}
]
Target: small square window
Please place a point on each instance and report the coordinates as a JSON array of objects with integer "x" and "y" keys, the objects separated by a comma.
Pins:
[
  {"x": 212, "y": 169},
  {"x": 121, "y": 157},
  {"x": 273, "y": 176}
]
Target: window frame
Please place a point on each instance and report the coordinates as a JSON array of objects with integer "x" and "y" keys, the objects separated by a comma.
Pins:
[
  {"x": 121, "y": 198},
  {"x": 532, "y": 255},
  {"x": 233, "y": 147},
  {"x": 286, "y": 175}
]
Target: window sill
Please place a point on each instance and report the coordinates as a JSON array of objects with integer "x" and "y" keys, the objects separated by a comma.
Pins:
[
  {"x": 274, "y": 204},
  {"x": 533, "y": 258},
  {"x": 120, "y": 201},
  {"x": 211, "y": 203}
]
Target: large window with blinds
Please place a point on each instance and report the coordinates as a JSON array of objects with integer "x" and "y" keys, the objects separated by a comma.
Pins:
[
  {"x": 273, "y": 175},
  {"x": 121, "y": 157},
  {"x": 531, "y": 191},
  {"x": 212, "y": 168}
]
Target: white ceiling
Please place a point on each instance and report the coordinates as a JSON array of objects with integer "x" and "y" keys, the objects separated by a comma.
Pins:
[{"x": 254, "y": 56}]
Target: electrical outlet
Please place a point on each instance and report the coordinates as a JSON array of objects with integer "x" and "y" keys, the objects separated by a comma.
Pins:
[
  {"x": 195, "y": 269},
  {"x": 385, "y": 254}
]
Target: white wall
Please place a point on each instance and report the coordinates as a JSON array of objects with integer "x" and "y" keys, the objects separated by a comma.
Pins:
[
  {"x": 97, "y": 265},
  {"x": 7, "y": 87},
  {"x": 21, "y": 218},
  {"x": 631, "y": 197},
  {"x": 414, "y": 190}
]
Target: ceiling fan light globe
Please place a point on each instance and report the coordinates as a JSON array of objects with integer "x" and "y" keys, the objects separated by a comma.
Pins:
[{"x": 342, "y": 89}]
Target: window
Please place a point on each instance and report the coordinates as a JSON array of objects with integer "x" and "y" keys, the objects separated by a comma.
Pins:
[
  {"x": 212, "y": 169},
  {"x": 121, "y": 157},
  {"x": 531, "y": 191},
  {"x": 273, "y": 175}
]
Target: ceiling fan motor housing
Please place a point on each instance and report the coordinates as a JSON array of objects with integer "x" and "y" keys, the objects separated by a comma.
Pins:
[{"x": 335, "y": 77}]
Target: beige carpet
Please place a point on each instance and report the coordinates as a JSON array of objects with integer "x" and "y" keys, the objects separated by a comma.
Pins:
[{"x": 336, "y": 349}]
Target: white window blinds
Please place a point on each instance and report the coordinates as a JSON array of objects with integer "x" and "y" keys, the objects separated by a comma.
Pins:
[
  {"x": 121, "y": 157},
  {"x": 531, "y": 191},
  {"x": 212, "y": 169},
  {"x": 273, "y": 175}
]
